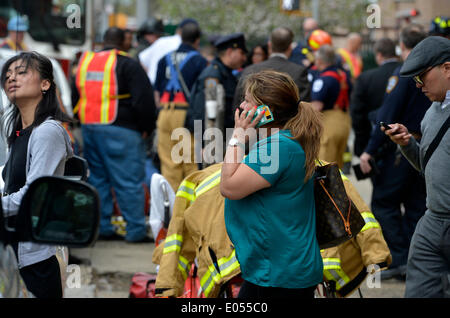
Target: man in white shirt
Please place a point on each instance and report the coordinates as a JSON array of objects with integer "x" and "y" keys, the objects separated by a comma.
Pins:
[{"x": 150, "y": 57}]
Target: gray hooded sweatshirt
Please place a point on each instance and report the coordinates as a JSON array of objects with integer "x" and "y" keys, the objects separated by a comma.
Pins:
[{"x": 49, "y": 147}]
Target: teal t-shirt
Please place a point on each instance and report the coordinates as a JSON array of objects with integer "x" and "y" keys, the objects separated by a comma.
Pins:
[{"x": 274, "y": 230}]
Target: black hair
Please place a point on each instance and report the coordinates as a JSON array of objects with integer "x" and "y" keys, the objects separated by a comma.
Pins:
[
  {"x": 190, "y": 32},
  {"x": 386, "y": 47},
  {"x": 49, "y": 105},
  {"x": 114, "y": 37},
  {"x": 412, "y": 35}
]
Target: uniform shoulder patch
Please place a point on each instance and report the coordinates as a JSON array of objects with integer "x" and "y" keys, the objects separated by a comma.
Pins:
[
  {"x": 317, "y": 85},
  {"x": 392, "y": 82},
  {"x": 211, "y": 82}
]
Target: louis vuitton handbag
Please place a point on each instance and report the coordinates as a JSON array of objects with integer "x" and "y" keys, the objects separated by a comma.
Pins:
[{"x": 337, "y": 218}]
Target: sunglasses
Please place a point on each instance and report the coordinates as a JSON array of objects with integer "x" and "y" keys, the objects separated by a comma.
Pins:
[{"x": 418, "y": 78}]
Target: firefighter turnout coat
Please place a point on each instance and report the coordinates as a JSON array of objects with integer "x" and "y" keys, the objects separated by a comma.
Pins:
[{"x": 197, "y": 233}]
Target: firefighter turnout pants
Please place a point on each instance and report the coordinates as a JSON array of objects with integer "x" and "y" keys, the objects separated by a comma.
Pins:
[
  {"x": 336, "y": 129},
  {"x": 176, "y": 162}
]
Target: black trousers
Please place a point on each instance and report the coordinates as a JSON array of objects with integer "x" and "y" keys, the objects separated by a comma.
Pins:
[
  {"x": 43, "y": 279},
  {"x": 398, "y": 184},
  {"x": 249, "y": 290}
]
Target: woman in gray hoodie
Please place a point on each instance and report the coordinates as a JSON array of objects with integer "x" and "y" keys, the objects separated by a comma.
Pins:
[{"x": 38, "y": 146}]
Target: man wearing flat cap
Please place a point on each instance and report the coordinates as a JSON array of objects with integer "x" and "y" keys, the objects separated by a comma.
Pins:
[
  {"x": 428, "y": 267},
  {"x": 215, "y": 87}
]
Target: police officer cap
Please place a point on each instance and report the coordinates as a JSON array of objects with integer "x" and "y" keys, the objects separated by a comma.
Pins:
[
  {"x": 432, "y": 51},
  {"x": 18, "y": 24},
  {"x": 235, "y": 40}
]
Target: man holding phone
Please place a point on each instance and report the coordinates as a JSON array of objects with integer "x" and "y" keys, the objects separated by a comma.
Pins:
[{"x": 428, "y": 269}]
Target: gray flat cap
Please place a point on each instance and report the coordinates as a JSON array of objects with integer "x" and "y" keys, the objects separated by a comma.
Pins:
[{"x": 432, "y": 51}]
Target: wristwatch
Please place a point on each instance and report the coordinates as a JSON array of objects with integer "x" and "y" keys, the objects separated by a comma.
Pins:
[{"x": 235, "y": 142}]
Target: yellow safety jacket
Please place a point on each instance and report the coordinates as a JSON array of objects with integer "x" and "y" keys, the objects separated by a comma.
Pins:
[{"x": 197, "y": 232}]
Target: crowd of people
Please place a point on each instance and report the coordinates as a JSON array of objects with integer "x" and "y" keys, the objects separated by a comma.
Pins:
[{"x": 129, "y": 101}]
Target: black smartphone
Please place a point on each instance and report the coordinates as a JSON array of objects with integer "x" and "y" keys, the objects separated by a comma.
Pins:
[
  {"x": 386, "y": 126},
  {"x": 361, "y": 176}
]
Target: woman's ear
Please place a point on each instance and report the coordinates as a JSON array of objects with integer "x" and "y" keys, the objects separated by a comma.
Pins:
[{"x": 45, "y": 85}]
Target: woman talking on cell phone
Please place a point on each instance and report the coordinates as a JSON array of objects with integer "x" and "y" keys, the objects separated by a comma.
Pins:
[
  {"x": 38, "y": 146},
  {"x": 269, "y": 206}
]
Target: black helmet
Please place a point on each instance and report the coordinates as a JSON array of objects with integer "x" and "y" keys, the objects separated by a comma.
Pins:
[
  {"x": 440, "y": 26},
  {"x": 151, "y": 26}
]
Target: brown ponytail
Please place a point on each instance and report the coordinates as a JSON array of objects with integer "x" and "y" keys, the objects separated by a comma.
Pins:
[
  {"x": 279, "y": 91},
  {"x": 306, "y": 128}
]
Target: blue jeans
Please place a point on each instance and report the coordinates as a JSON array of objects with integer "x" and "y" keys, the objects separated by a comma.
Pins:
[{"x": 116, "y": 158}]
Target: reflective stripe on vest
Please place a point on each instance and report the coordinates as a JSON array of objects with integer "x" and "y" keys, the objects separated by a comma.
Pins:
[
  {"x": 352, "y": 61},
  {"x": 183, "y": 266},
  {"x": 332, "y": 271},
  {"x": 186, "y": 190},
  {"x": 370, "y": 220},
  {"x": 173, "y": 243},
  {"x": 97, "y": 83},
  {"x": 226, "y": 266},
  {"x": 209, "y": 183},
  {"x": 189, "y": 191}
]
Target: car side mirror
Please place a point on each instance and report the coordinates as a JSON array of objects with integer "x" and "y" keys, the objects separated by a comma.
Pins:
[
  {"x": 59, "y": 211},
  {"x": 76, "y": 168}
]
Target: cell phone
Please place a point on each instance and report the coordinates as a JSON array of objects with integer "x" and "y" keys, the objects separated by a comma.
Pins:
[
  {"x": 383, "y": 124},
  {"x": 361, "y": 176},
  {"x": 267, "y": 118}
]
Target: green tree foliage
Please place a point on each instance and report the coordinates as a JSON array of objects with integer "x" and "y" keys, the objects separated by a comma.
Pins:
[{"x": 256, "y": 18}]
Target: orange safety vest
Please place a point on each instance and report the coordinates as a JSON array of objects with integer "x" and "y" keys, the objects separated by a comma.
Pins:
[
  {"x": 96, "y": 81},
  {"x": 353, "y": 62},
  {"x": 343, "y": 100}
]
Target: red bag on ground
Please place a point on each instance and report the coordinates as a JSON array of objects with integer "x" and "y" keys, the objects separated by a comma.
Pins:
[{"x": 142, "y": 286}]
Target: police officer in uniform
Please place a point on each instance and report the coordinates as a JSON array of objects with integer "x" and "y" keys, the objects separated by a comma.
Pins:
[
  {"x": 398, "y": 183},
  {"x": 215, "y": 87},
  {"x": 330, "y": 95},
  {"x": 368, "y": 92},
  {"x": 176, "y": 74}
]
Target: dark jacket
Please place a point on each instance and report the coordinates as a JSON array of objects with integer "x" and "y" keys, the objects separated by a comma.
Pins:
[
  {"x": 298, "y": 73},
  {"x": 367, "y": 96},
  {"x": 403, "y": 103},
  {"x": 224, "y": 76}
]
